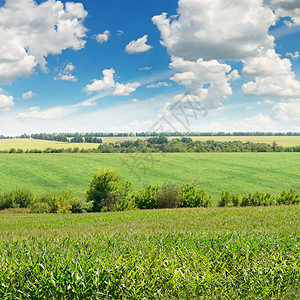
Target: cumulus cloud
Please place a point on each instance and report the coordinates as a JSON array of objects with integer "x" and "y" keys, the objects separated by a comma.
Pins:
[
  {"x": 125, "y": 89},
  {"x": 108, "y": 83},
  {"x": 273, "y": 76},
  {"x": 66, "y": 73},
  {"x": 28, "y": 95},
  {"x": 24, "y": 24},
  {"x": 138, "y": 46},
  {"x": 286, "y": 8},
  {"x": 158, "y": 85},
  {"x": 206, "y": 80},
  {"x": 287, "y": 111},
  {"x": 216, "y": 29},
  {"x": 103, "y": 37},
  {"x": 6, "y": 102}
]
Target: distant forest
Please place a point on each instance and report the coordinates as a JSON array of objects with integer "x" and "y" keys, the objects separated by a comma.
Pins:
[{"x": 95, "y": 137}]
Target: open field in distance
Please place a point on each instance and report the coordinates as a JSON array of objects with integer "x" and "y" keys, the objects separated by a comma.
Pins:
[
  {"x": 232, "y": 253},
  {"x": 6, "y": 144},
  {"x": 235, "y": 172}
]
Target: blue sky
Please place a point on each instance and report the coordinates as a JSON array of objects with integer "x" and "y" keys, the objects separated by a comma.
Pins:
[{"x": 120, "y": 66}]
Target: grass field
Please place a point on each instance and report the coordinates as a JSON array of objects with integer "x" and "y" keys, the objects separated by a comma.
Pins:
[
  {"x": 231, "y": 253},
  {"x": 236, "y": 172},
  {"x": 6, "y": 144}
]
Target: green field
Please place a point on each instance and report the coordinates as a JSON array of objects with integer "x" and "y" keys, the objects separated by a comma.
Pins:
[
  {"x": 213, "y": 253},
  {"x": 236, "y": 172},
  {"x": 30, "y": 144}
]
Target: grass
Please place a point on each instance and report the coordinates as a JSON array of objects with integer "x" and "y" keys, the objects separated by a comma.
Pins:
[
  {"x": 231, "y": 253},
  {"x": 30, "y": 144},
  {"x": 235, "y": 172}
]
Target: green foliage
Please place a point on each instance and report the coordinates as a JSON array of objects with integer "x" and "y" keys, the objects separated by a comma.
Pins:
[
  {"x": 104, "y": 190},
  {"x": 196, "y": 253},
  {"x": 289, "y": 197},
  {"x": 257, "y": 199},
  {"x": 108, "y": 193},
  {"x": 58, "y": 203},
  {"x": 17, "y": 198},
  {"x": 147, "y": 197},
  {"x": 229, "y": 199},
  {"x": 168, "y": 196},
  {"x": 194, "y": 197}
]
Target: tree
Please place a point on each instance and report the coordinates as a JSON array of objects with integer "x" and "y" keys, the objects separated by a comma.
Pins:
[{"x": 105, "y": 190}]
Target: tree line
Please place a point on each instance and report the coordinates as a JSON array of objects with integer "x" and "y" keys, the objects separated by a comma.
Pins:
[
  {"x": 163, "y": 144},
  {"x": 66, "y": 137}
]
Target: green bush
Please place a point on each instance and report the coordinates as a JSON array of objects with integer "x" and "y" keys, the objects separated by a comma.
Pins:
[
  {"x": 126, "y": 199},
  {"x": 57, "y": 203},
  {"x": 194, "y": 197},
  {"x": 289, "y": 197},
  {"x": 40, "y": 207},
  {"x": 229, "y": 199},
  {"x": 147, "y": 197},
  {"x": 17, "y": 198},
  {"x": 257, "y": 199},
  {"x": 168, "y": 196},
  {"x": 108, "y": 193}
]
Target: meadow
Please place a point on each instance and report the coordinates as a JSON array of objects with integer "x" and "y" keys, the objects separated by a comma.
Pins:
[
  {"x": 223, "y": 253},
  {"x": 214, "y": 172},
  {"x": 30, "y": 144}
]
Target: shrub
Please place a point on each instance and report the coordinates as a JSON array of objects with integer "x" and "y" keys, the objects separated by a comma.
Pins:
[
  {"x": 147, "y": 197},
  {"x": 257, "y": 199},
  {"x": 126, "y": 199},
  {"x": 194, "y": 197},
  {"x": 40, "y": 207},
  {"x": 57, "y": 203},
  {"x": 289, "y": 197},
  {"x": 229, "y": 199},
  {"x": 108, "y": 193},
  {"x": 168, "y": 196},
  {"x": 18, "y": 198}
]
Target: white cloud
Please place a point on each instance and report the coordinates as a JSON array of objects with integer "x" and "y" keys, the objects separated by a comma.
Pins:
[
  {"x": 28, "y": 95},
  {"x": 259, "y": 122},
  {"x": 158, "y": 85},
  {"x": 24, "y": 24},
  {"x": 125, "y": 89},
  {"x": 135, "y": 100},
  {"x": 249, "y": 107},
  {"x": 293, "y": 55},
  {"x": 108, "y": 83},
  {"x": 105, "y": 83},
  {"x": 6, "y": 102},
  {"x": 216, "y": 29},
  {"x": 268, "y": 101},
  {"x": 273, "y": 76},
  {"x": 120, "y": 32},
  {"x": 287, "y": 111},
  {"x": 53, "y": 113},
  {"x": 138, "y": 46},
  {"x": 66, "y": 73},
  {"x": 286, "y": 8},
  {"x": 103, "y": 37},
  {"x": 206, "y": 80}
]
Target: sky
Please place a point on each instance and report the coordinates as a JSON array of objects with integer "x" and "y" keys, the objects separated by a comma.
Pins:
[{"x": 151, "y": 65}]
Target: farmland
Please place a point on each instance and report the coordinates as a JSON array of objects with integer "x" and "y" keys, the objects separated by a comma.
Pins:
[
  {"x": 236, "y": 172},
  {"x": 30, "y": 144},
  {"x": 240, "y": 253}
]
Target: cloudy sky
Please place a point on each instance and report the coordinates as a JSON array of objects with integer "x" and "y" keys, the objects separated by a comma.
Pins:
[{"x": 119, "y": 66}]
